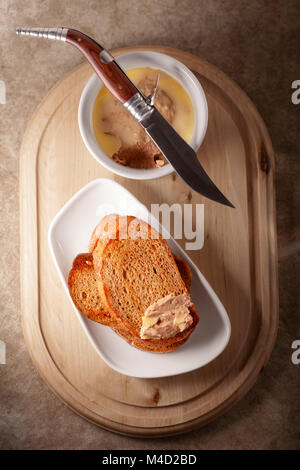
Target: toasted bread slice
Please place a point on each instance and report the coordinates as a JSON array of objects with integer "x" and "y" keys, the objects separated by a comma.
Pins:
[
  {"x": 84, "y": 292},
  {"x": 135, "y": 268},
  {"x": 103, "y": 226}
]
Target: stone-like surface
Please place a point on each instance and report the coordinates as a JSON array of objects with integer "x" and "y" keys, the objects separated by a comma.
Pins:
[{"x": 257, "y": 44}]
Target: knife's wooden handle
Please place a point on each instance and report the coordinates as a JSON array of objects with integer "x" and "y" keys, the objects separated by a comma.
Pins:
[{"x": 109, "y": 72}]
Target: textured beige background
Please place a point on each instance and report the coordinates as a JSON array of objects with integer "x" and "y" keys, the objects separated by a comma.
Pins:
[{"x": 257, "y": 44}]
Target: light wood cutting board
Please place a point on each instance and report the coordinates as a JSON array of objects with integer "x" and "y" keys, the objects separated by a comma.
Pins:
[{"x": 239, "y": 259}]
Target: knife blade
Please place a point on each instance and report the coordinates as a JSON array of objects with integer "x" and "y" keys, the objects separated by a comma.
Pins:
[{"x": 180, "y": 155}]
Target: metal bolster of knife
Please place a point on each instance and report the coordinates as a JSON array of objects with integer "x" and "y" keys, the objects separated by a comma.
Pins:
[
  {"x": 139, "y": 108},
  {"x": 58, "y": 34}
]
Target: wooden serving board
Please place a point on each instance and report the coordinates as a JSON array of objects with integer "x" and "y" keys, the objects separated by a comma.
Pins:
[{"x": 239, "y": 259}]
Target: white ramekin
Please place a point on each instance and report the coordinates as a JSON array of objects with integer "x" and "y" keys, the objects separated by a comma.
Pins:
[{"x": 142, "y": 59}]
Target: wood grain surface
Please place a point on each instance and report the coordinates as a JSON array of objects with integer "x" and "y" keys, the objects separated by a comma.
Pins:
[{"x": 239, "y": 259}]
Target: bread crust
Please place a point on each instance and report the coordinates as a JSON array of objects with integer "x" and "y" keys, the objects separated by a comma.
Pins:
[{"x": 144, "y": 346}]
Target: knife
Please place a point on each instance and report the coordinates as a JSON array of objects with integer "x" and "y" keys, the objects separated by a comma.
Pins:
[{"x": 179, "y": 154}]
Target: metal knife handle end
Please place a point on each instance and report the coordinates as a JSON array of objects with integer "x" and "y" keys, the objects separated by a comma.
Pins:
[
  {"x": 113, "y": 77},
  {"x": 58, "y": 34}
]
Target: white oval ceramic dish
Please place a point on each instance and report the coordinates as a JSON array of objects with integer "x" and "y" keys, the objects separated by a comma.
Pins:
[
  {"x": 80, "y": 215},
  {"x": 142, "y": 59}
]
